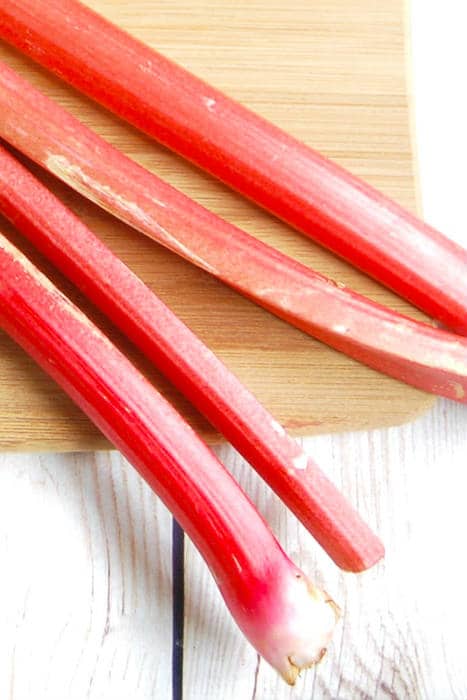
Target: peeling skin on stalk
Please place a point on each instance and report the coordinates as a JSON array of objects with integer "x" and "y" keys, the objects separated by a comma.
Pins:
[
  {"x": 288, "y": 620},
  {"x": 73, "y": 248},
  {"x": 105, "y": 197},
  {"x": 89, "y": 187},
  {"x": 429, "y": 359},
  {"x": 245, "y": 151}
]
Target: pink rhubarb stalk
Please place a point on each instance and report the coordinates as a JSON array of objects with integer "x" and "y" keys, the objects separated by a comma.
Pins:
[
  {"x": 286, "y": 618},
  {"x": 414, "y": 352},
  {"x": 248, "y": 153},
  {"x": 188, "y": 363}
]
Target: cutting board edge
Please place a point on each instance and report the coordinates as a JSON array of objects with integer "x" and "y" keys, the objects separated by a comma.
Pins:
[
  {"x": 101, "y": 444},
  {"x": 399, "y": 418}
]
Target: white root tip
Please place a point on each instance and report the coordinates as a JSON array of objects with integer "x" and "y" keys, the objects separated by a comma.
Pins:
[{"x": 308, "y": 631}]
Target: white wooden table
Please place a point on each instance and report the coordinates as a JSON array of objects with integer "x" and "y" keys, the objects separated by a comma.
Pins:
[{"x": 86, "y": 584}]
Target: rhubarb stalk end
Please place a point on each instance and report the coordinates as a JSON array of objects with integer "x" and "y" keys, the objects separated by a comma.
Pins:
[{"x": 299, "y": 637}]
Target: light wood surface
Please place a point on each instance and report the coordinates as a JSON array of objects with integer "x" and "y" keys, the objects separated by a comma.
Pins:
[
  {"x": 333, "y": 73},
  {"x": 86, "y": 608},
  {"x": 85, "y": 591},
  {"x": 85, "y": 548},
  {"x": 399, "y": 637}
]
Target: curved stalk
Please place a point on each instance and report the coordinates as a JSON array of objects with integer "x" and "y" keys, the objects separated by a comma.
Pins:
[
  {"x": 287, "y": 619},
  {"x": 189, "y": 364},
  {"x": 253, "y": 156},
  {"x": 426, "y": 357}
]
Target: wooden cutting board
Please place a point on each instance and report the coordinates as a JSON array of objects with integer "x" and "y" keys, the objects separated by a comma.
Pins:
[{"x": 333, "y": 73}]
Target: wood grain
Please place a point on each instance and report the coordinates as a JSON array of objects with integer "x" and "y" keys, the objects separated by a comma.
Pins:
[
  {"x": 69, "y": 546},
  {"x": 332, "y": 73},
  {"x": 85, "y": 591},
  {"x": 400, "y": 636}
]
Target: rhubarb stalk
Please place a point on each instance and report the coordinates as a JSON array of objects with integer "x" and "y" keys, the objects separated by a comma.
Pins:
[
  {"x": 417, "y": 353},
  {"x": 253, "y": 156},
  {"x": 188, "y": 363},
  {"x": 286, "y": 618}
]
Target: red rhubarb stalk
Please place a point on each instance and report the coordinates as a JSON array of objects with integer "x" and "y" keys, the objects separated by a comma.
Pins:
[
  {"x": 414, "y": 352},
  {"x": 286, "y": 618},
  {"x": 248, "y": 153},
  {"x": 188, "y": 363}
]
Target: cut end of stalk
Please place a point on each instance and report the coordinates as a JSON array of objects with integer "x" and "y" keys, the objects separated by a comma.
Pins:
[
  {"x": 320, "y": 615},
  {"x": 294, "y": 670},
  {"x": 299, "y": 637},
  {"x": 365, "y": 559}
]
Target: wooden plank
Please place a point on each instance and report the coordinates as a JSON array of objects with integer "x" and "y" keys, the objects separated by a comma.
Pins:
[
  {"x": 332, "y": 73},
  {"x": 399, "y": 635},
  {"x": 86, "y": 585},
  {"x": 83, "y": 543}
]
